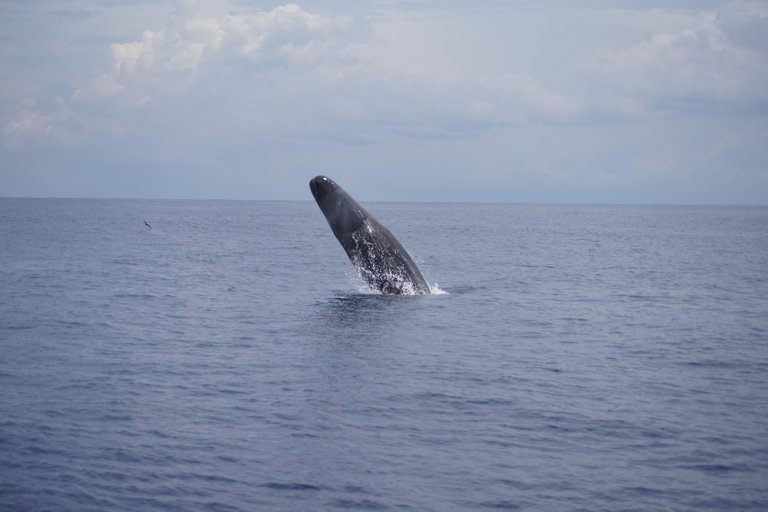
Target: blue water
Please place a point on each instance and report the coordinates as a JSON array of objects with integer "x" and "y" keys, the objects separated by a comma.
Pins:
[{"x": 580, "y": 358}]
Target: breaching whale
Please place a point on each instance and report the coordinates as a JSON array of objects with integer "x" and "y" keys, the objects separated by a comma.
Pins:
[{"x": 374, "y": 251}]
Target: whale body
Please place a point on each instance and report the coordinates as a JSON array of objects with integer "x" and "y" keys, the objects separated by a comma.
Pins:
[{"x": 379, "y": 258}]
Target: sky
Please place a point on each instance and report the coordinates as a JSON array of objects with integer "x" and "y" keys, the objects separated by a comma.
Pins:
[{"x": 521, "y": 101}]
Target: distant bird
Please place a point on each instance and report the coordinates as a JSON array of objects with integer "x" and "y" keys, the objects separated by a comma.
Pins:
[{"x": 145, "y": 223}]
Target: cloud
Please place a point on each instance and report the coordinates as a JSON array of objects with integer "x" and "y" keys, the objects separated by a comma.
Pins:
[
  {"x": 104, "y": 84},
  {"x": 127, "y": 56},
  {"x": 194, "y": 36},
  {"x": 28, "y": 122},
  {"x": 293, "y": 72},
  {"x": 206, "y": 52},
  {"x": 721, "y": 64},
  {"x": 517, "y": 97},
  {"x": 508, "y": 91},
  {"x": 38, "y": 124},
  {"x": 745, "y": 23}
]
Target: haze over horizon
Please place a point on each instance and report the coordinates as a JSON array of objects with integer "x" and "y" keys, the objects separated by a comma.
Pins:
[{"x": 527, "y": 101}]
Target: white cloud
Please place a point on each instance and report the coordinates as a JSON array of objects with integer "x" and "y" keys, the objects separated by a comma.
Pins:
[
  {"x": 289, "y": 69},
  {"x": 517, "y": 97},
  {"x": 719, "y": 64},
  {"x": 101, "y": 85},
  {"x": 184, "y": 43},
  {"x": 206, "y": 32},
  {"x": 28, "y": 122},
  {"x": 492, "y": 92},
  {"x": 127, "y": 56},
  {"x": 745, "y": 23},
  {"x": 38, "y": 124},
  {"x": 292, "y": 71}
]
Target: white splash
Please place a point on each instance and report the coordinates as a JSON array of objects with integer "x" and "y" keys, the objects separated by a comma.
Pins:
[{"x": 435, "y": 289}]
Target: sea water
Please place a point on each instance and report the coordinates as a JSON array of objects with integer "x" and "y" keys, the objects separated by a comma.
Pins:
[{"x": 226, "y": 358}]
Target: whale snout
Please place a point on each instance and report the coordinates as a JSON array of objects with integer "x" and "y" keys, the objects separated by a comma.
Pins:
[{"x": 320, "y": 186}]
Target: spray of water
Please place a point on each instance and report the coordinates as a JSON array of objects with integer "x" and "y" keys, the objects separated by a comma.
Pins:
[{"x": 356, "y": 275}]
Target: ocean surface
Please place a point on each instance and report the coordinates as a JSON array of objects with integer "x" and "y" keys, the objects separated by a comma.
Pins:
[{"x": 572, "y": 358}]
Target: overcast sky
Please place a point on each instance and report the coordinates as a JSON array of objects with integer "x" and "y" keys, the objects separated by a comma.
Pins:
[{"x": 484, "y": 100}]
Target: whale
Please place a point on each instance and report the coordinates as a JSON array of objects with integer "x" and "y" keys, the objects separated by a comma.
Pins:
[{"x": 375, "y": 252}]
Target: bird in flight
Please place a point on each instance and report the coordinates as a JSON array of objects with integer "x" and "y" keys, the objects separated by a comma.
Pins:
[{"x": 145, "y": 223}]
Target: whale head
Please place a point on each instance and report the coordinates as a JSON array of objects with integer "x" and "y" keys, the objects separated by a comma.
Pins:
[{"x": 342, "y": 212}]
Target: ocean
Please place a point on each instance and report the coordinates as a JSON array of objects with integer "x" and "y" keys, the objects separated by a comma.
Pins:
[{"x": 571, "y": 358}]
